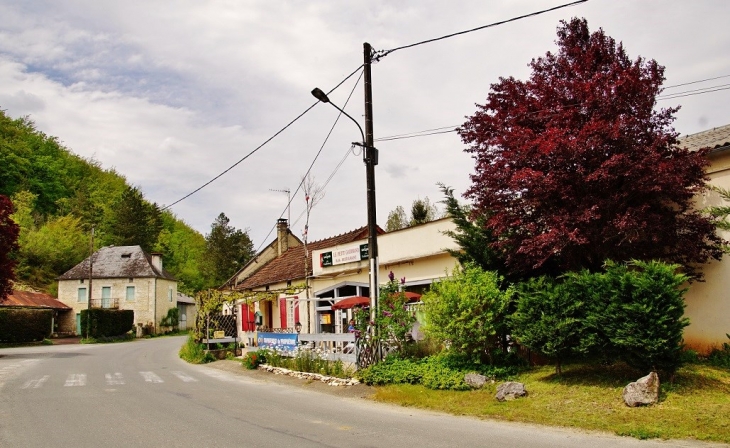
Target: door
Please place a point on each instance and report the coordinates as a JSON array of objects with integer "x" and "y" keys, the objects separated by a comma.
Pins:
[
  {"x": 106, "y": 295},
  {"x": 78, "y": 324}
]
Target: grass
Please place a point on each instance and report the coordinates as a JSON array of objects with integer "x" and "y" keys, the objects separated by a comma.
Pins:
[
  {"x": 194, "y": 353},
  {"x": 696, "y": 406}
]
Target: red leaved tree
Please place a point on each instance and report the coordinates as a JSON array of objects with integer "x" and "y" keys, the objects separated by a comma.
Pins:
[
  {"x": 575, "y": 166},
  {"x": 8, "y": 243}
]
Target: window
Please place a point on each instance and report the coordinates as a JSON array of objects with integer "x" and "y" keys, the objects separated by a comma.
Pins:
[
  {"x": 81, "y": 295},
  {"x": 130, "y": 293}
]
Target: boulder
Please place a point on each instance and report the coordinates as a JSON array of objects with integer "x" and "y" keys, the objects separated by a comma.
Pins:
[
  {"x": 510, "y": 390},
  {"x": 642, "y": 392},
  {"x": 474, "y": 380}
]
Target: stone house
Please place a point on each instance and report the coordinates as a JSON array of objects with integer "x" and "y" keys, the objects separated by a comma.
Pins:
[{"x": 122, "y": 277}]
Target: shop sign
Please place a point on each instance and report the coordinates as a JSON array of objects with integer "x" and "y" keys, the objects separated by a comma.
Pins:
[
  {"x": 344, "y": 254},
  {"x": 277, "y": 341}
]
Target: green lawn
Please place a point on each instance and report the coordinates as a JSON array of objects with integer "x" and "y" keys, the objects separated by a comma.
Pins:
[{"x": 696, "y": 406}]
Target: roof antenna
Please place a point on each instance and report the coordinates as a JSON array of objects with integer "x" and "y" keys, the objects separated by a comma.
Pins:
[{"x": 288, "y": 204}]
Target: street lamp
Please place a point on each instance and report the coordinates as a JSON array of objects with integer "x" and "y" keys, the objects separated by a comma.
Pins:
[{"x": 370, "y": 157}]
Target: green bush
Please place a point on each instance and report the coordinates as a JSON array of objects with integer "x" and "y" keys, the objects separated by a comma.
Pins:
[
  {"x": 467, "y": 311},
  {"x": 435, "y": 372},
  {"x": 24, "y": 324},
  {"x": 720, "y": 357},
  {"x": 194, "y": 353},
  {"x": 106, "y": 322},
  {"x": 253, "y": 359},
  {"x": 630, "y": 312}
]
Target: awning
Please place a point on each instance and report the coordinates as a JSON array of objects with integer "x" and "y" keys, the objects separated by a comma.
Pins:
[{"x": 351, "y": 302}]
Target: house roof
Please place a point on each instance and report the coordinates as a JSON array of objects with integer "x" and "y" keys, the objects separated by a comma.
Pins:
[
  {"x": 182, "y": 298},
  {"x": 117, "y": 262},
  {"x": 255, "y": 259},
  {"x": 33, "y": 300},
  {"x": 290, "y": 264},
  {"x": 715, "y": 138}
]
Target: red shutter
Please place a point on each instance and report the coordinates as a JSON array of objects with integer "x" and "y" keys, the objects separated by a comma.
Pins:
[
  {"x": 282, "y": 312},
  {"x": 244, "y": 317}
]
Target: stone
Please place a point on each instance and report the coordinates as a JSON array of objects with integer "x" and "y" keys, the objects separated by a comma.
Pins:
[
  {"x": 510, "y": 390},
  {"x": 642, "y": 392},
  {"x": 475, "y": 380}
]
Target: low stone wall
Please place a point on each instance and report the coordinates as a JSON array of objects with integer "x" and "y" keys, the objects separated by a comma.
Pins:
[{"x": 329, "y": 380}]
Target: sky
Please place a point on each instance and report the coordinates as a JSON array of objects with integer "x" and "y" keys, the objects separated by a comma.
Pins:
[{"x": 172, "y": 94}]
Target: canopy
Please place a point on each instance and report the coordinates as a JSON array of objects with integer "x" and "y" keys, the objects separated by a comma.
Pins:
[{"x": 351, "y": 302}]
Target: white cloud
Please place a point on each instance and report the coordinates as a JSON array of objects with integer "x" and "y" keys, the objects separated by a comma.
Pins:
[{"x": 173, "y": 95}]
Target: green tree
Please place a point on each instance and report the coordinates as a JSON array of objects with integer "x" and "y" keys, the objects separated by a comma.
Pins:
[
  {"x": 183, "y": 250},
  {"x": 136, "y": 221},
  {"x": 397, "y": 220},
  {"x": 227, "y": 249},
  {"x": 467, "y": 310}
]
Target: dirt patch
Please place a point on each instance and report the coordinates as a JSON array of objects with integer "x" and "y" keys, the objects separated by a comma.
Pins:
[{"x": 356, "y": 391}]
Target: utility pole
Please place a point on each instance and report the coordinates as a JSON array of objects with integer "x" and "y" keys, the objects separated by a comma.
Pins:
[
  {"x": 91, "y": 274},
  {"x": 371, "y": 159}
]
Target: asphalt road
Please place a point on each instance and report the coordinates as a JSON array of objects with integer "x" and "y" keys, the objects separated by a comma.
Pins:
[{"x": 141, "y": 394}]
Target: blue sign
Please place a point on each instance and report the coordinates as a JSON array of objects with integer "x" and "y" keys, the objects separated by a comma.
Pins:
[{"x": 278, "y": 341}]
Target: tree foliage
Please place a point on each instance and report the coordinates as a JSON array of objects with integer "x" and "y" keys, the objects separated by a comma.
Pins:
[
  {"x": 59, "y": 196},
  {"x": 475, "y": 240},
  {"x": 227, "y": 250},
  {"x": 9, "y": 231},
  {"x": 630, "y": 311},
  {"x": 422, "y": 211},
  {"x": 467, "y": 311},
  {"x": 136, "y": 221},
  {"x": 575, "y": 166}
]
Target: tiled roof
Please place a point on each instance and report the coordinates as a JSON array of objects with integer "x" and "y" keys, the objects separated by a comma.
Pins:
[
  {"x": 290, "y": 264},
  {"x": 33, "y": 300},
  {"x": 117, "y": 262},
  {"x": 713, "y": 138}
]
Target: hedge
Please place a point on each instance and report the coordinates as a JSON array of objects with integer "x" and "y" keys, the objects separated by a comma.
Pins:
[
  {"x": 25, "y": 324},
  {"x": 105, "y": 322}
]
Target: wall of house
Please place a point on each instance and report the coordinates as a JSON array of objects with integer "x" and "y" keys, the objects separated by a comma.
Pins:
[
  {"x": 143, "y": 304},
  {"x": 708, "y": 302},
  {"x": 166, "y": 299}
]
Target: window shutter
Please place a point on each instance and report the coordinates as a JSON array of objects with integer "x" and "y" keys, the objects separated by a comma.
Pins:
[{"x": 282, "y": 312}]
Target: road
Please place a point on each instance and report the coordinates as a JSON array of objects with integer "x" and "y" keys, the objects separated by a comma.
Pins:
[{"x": 141, "y": 394}]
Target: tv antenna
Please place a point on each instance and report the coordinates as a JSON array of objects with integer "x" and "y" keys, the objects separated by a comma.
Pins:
[{"x": 288, "y": 203}]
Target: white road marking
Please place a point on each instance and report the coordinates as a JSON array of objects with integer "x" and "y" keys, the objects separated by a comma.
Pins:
[
  {"x": 150, "y": 377},
  {"x": 114, "y": 380},
  {"x": 76, "y": 379},
  {"x": 36, "y": 383},
  {"x": 184, "y": 376}
]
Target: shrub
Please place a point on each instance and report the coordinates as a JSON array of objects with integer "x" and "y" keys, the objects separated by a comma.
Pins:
[
  {"x": 467, "y": 310},
  {"x": 720, "y": 357},
  {"x": 106, "y": 322},
  {"x": 252, "y": 359},
  {"x": 24, "y": 324},
  {"x": 194, "y": 352},
  {"x": 630, "y": 312}
]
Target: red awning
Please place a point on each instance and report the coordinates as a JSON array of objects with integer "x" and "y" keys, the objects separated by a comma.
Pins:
[{"x": 351, "y": 302}]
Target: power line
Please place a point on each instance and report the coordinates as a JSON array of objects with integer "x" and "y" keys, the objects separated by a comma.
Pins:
[
  {"x": 315, "y": 157},
  {"x": 260, "y": 146},
  {"x": 382, "y": 53},
  {"x": 696, "y": 82},
  {"x": 695, "y": 92}
]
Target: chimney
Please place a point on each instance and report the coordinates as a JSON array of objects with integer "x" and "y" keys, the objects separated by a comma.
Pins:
[
  {"x": 157, "y": 261},
  {"x": 282, "y": 235}
]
